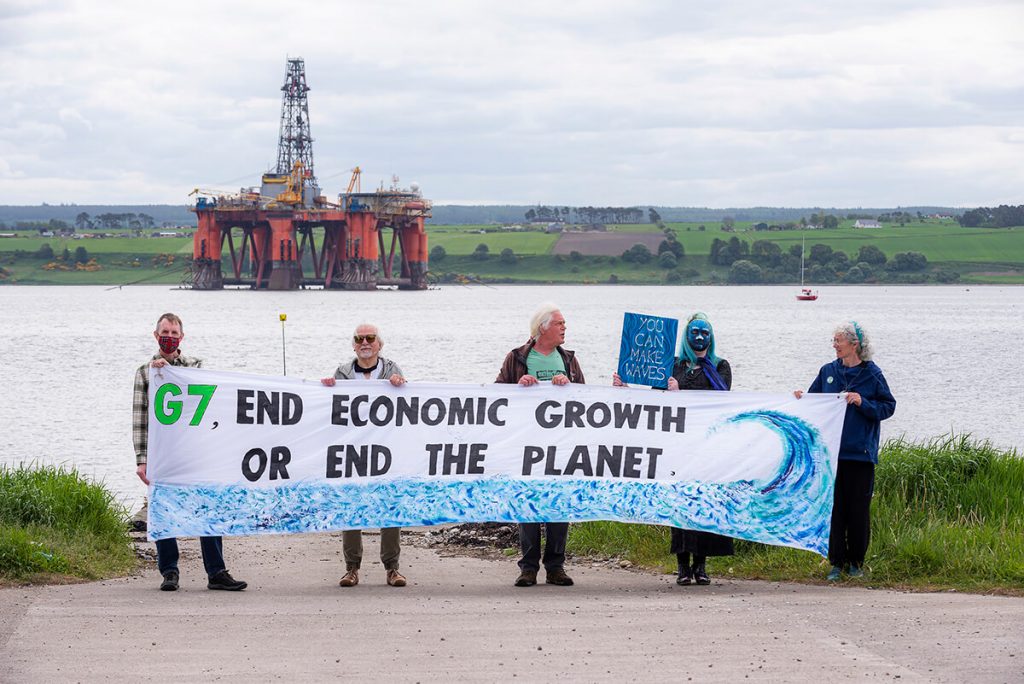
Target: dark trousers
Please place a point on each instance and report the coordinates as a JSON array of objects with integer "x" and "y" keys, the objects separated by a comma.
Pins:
[
  {"x": 554, "y": 549},
  {"x": 212, "y": 548},
  {"x": 851, "y": 513}
]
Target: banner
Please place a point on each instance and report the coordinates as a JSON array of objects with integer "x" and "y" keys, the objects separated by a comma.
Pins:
[
  {"x": 648, "y": 348},
  {"x": 237, "y": 454}
]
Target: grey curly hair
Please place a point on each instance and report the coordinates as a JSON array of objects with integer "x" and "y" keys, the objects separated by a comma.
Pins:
[{"x": 855, "y": 333}]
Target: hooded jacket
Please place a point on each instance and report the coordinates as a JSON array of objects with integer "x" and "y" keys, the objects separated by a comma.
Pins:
[{"x": 862, "y": 426}]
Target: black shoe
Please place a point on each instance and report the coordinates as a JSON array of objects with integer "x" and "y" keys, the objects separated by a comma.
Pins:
[
  {"x": 685, "y": 577},
  {"x": 700, "y": 576},
  {"x": 527, "y": 578},
  {"x": 223, "y": 580},
  {"x": 558, "y": 577},
  {"x": 170, "y": 582}
]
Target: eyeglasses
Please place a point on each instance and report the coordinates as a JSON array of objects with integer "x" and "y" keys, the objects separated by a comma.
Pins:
[{"x": 359, "y": 339}]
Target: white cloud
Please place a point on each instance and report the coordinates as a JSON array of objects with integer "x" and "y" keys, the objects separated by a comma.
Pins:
[{"x": 871, "y": 103}]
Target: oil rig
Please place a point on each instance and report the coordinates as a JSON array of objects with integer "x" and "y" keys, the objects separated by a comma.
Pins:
[{"x": 285, "y": 235}]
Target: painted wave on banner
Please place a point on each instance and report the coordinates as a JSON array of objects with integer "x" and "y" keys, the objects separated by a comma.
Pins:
[{"x": 790, "y": 508}]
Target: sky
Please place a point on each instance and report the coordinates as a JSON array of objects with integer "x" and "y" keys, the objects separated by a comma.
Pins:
[{"x": 875, "y": 103}]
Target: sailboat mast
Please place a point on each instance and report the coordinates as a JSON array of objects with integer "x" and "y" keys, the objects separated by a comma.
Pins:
[{"x": 803, "y": 246}]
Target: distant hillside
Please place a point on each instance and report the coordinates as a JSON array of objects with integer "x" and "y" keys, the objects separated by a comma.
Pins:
[
  {"x": 451, "y": 214},
  {"x": 177, "y": 214}
]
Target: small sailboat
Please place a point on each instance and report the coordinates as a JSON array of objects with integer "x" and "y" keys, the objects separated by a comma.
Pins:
[{"x": 806, "y": 294}]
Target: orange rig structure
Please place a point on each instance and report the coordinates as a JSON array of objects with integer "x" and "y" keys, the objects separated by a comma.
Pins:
[{"x": 286, "y": 235}]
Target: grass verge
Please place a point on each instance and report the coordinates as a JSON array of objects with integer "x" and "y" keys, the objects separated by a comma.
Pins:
[
  {"x": 56, "y": 526},
  {"x": 947, "y": 514}
]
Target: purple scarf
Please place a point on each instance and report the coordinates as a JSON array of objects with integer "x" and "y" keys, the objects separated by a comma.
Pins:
[{"x": 711, "y": 373}]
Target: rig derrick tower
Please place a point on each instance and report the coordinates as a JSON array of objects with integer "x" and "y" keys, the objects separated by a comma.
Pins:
[
  {"x": 295, "y": 142},
  {"x": 285, "y": 235}
]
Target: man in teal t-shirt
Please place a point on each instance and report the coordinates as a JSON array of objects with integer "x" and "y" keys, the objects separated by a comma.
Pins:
[
  {"x": 539, "y": 360},
  {"x": 545, "y": 366}
]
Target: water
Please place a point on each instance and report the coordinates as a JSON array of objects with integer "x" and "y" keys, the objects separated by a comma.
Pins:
[{"x": 68, "y": 354}]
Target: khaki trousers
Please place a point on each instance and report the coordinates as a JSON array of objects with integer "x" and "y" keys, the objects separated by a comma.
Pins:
[{"x": 352, "y": 547}]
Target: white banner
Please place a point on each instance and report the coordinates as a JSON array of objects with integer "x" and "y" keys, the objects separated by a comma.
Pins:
[{"x": 235, "y": 454}]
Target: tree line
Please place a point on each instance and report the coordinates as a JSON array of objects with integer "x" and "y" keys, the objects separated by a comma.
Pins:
[
  {"x": 1002, "y": 216},
  {"x": 766, "y": 262},
  {"x": 585, "y": 214},
  {"x": 84, "y": 222}
]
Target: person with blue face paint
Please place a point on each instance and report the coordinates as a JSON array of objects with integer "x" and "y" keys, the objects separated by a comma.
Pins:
[
  {"x": 697, "y": 367},
  {"x": 854, "y": 377}
]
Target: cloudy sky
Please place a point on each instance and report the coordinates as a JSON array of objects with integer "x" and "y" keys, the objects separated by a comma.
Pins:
[{"x": 718, "y": 104}]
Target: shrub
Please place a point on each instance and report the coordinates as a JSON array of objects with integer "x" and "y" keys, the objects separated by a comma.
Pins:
[
  {"x": 908, "y": 261},
  {"x": 872, "y": 255},
  {"x": 854, "y": 275},
  {"x": 743, "y": 271},
  {"x": 52, "y": 520},
  {"x": 438, "y": 253}
]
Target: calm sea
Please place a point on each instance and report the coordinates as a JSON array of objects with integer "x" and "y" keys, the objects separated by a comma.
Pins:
[{"x": 68, "y": 354}]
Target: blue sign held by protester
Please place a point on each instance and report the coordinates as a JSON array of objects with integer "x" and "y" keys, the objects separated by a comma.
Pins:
[{"x": 648, "y": 349}]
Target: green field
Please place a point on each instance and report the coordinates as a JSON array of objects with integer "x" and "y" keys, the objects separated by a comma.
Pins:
[
  {"x": 459, "y": 242},
  {"x": 118, "y": 245},
  {"x": 977, "y": 255},
  {"x": 938, "y": 241}
]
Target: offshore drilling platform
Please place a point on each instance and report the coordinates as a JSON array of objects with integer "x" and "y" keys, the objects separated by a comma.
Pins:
[{"x": 285, "y": 235}]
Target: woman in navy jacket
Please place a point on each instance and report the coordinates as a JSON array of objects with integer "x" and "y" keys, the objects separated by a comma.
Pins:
[{"x": 868, "y": 403}]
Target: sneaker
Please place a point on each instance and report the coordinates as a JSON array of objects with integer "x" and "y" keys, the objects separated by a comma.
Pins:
[
  {"x": 223, "y": 580},
  {"x": 527, "y": 578},
  {"x": 856, "y": 571},
  {"x": 685, "y": 577},
  {"x": 558, "y": 577},
  {"x": 833, "y": 574},
  {"x": 170, "y": 582},
  {"x": 395, "y": 578},
  {"x": 350, "y": 578}
]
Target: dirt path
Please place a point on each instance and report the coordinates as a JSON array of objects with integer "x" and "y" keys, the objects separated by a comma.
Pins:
[{"x": 461, "y": 619}]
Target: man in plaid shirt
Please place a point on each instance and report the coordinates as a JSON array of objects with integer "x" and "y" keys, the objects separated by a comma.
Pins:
[{"x": 169, "y": 333}]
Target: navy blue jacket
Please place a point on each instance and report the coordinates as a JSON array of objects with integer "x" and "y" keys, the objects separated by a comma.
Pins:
[{"x": 861, "y": 428}]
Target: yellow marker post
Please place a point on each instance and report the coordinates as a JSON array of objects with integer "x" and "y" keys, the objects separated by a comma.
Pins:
[{"x": 284, "y": 359}]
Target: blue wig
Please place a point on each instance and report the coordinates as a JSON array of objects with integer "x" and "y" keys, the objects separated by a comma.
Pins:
[{"x": 686, "y": 353}]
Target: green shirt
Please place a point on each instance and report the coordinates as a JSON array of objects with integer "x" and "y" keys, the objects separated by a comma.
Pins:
[{"x": 544, "y": 366}]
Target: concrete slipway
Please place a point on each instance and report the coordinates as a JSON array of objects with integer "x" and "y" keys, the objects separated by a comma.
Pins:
[{"x": 460, "y": 618}]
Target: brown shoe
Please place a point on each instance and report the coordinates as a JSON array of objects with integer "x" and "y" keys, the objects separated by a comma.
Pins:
[
  {"x": 559, "y": 577},
  {"x": 350, "y": 579},
  {"x": 395, "y": 578},
  {"x": 527, "y": 578}
]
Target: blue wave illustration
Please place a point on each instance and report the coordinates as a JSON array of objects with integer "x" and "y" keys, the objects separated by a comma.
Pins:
[{"x": 791, "y": 508}]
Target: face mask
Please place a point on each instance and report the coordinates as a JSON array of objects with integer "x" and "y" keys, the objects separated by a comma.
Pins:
[
  {"x": 699, "y": 335},
  {"x": 168, "y": 344}
]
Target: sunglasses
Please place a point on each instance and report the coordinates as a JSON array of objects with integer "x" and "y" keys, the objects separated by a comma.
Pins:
[{"x": 359, "y": 339}]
